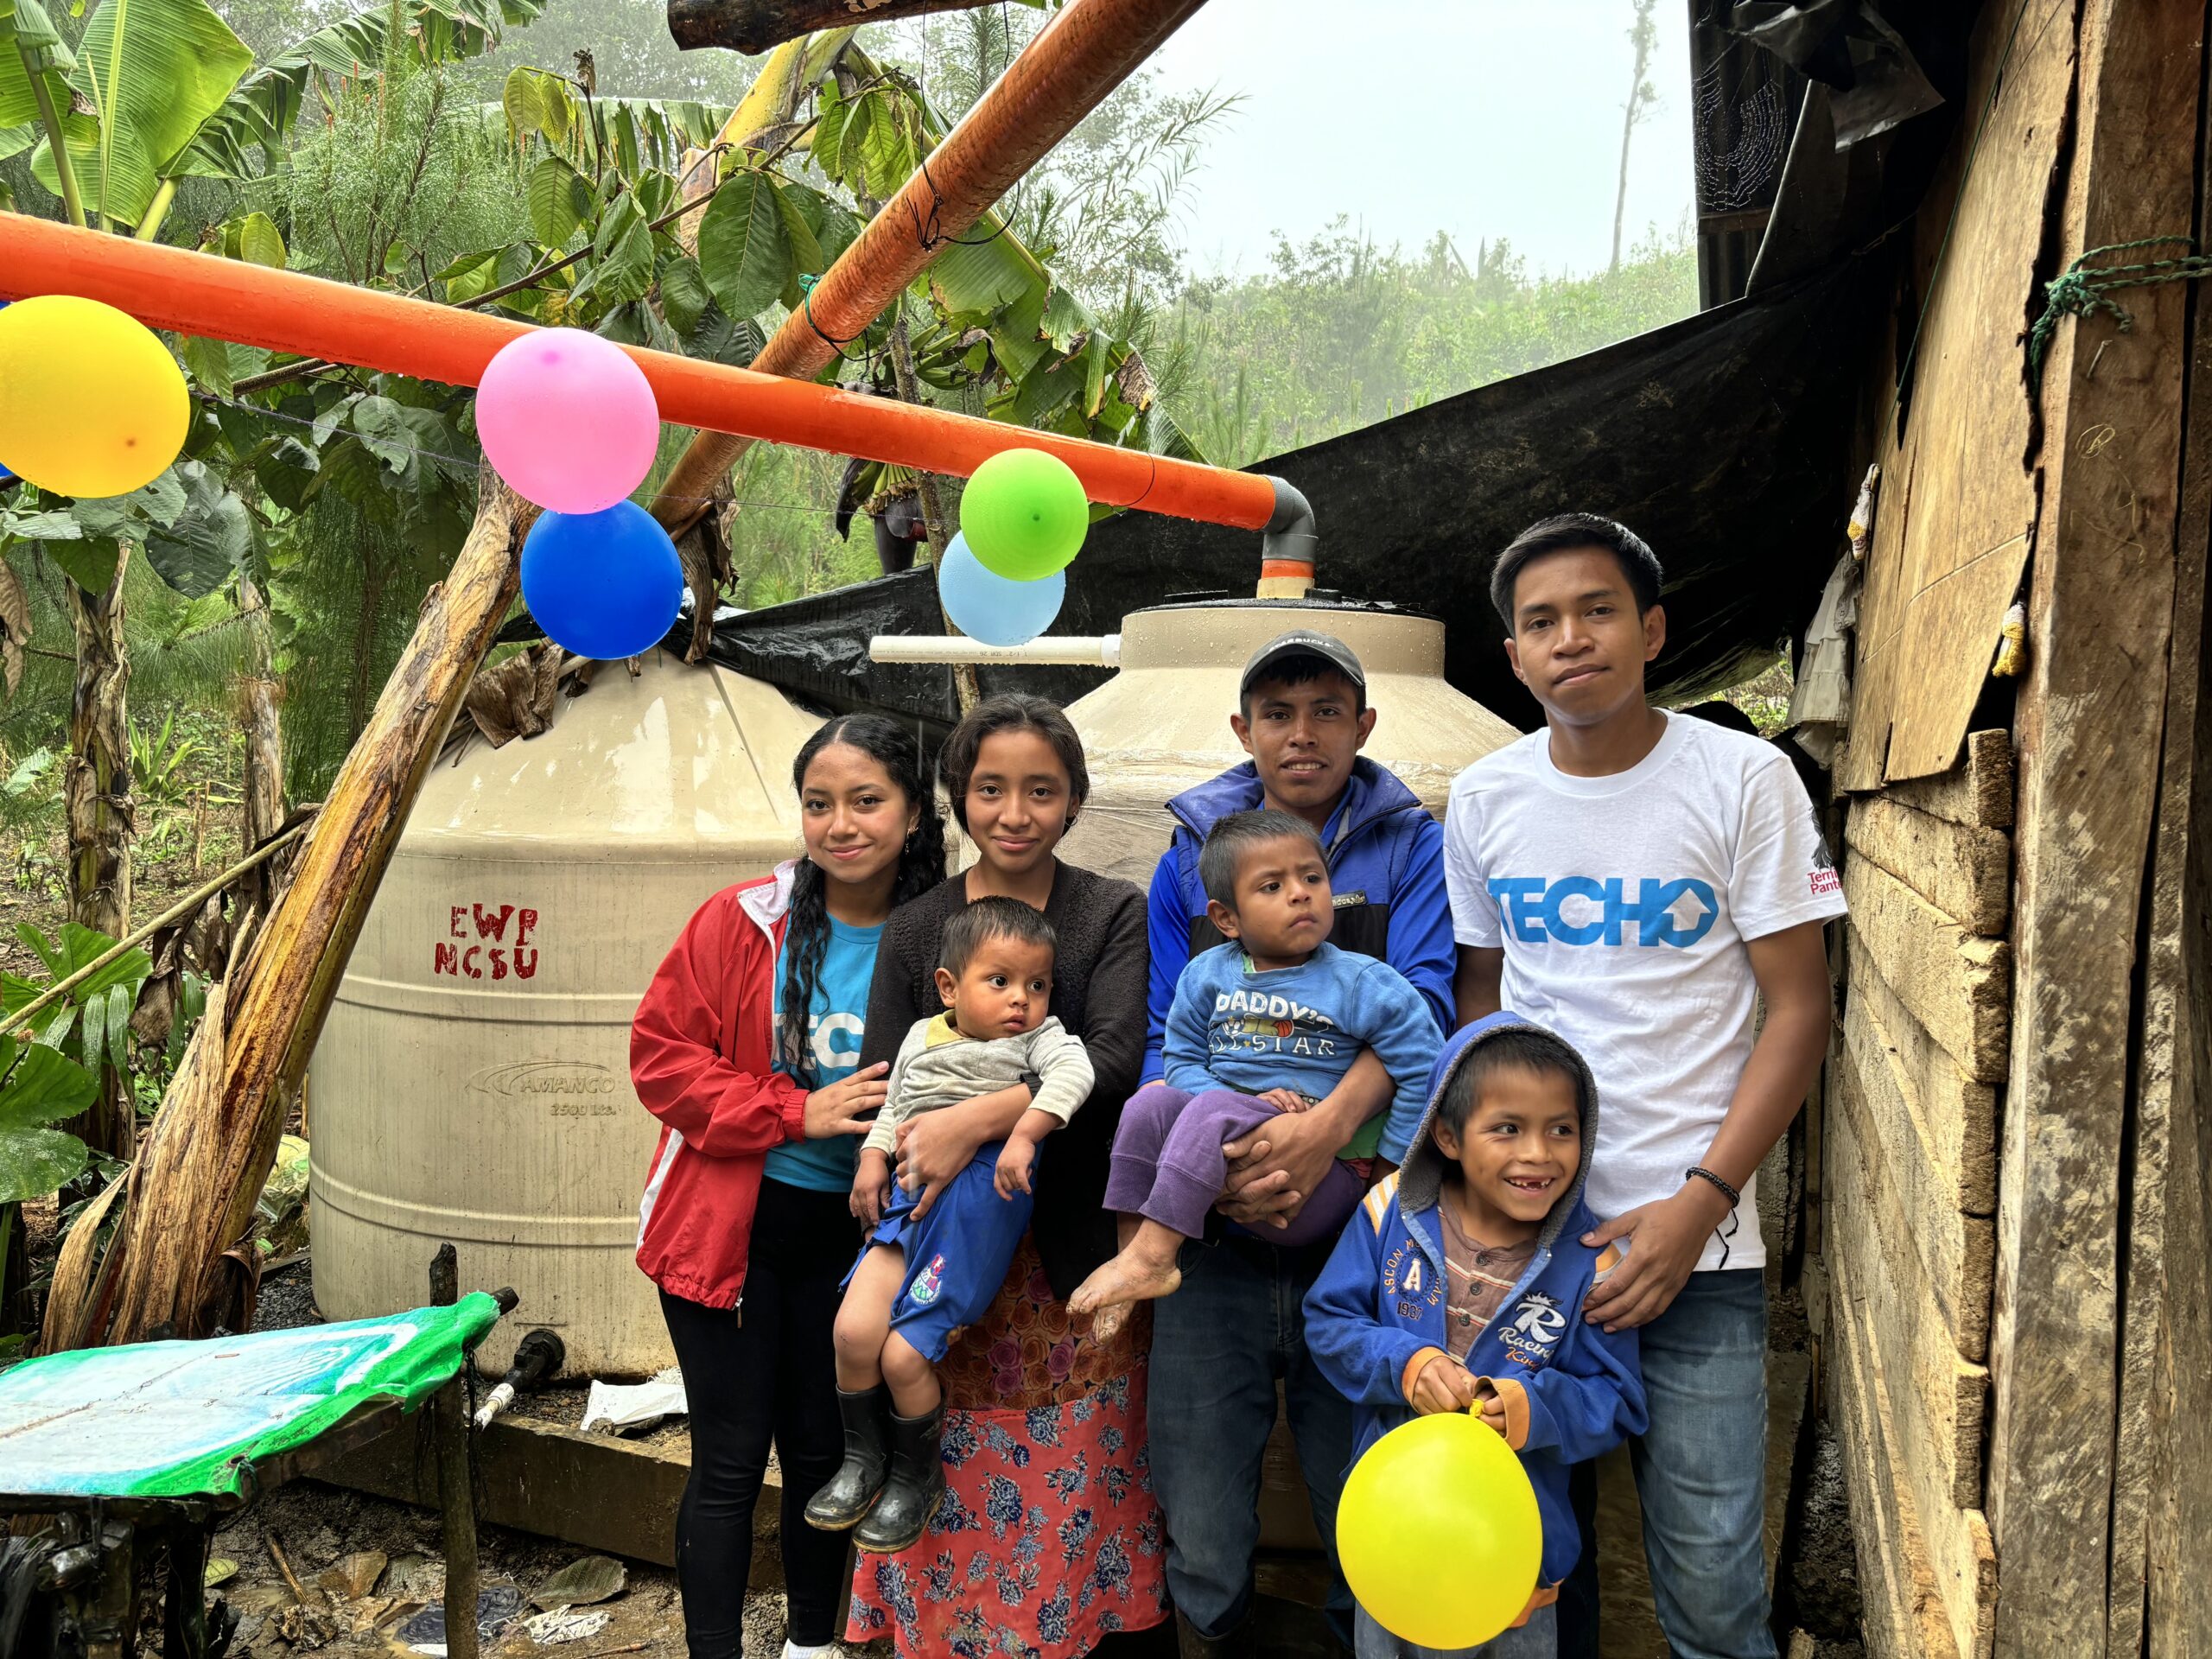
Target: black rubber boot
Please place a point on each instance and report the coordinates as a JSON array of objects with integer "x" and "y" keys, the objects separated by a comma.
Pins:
[
  {"x": 915, "y": 1489},
  {"x": 859, "y": 1479}
]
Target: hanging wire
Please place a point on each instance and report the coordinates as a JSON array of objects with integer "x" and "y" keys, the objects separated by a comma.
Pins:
[{"x": 866, "y": 360}]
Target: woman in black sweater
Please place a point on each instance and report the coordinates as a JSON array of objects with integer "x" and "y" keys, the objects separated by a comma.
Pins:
[{"x": 1049, "y": 1502}]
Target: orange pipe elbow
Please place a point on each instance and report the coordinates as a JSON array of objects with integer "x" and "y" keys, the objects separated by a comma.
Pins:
[{"x": 193, "y": 293}]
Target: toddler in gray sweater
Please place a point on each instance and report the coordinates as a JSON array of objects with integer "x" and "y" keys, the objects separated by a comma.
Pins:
[{"x": 925, "y": 1271}]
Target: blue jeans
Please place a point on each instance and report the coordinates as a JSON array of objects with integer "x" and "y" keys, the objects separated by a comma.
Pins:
[
  {"x": 1537, "y": 1639},
  {"x": 1701, "y": 1478},
  {"x": 1219, "y": 1345}
]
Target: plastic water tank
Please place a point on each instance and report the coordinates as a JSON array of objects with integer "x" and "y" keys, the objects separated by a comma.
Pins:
[
  {"x": 472, "y": 1082},
  {"x": 1161, "y": 724}
]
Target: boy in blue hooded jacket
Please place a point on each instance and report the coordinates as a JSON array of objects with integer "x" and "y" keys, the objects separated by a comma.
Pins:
[{"x": 1456, "y": 1285}]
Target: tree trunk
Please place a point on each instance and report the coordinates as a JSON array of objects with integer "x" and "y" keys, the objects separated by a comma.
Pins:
[
  {"x": 209, "y": 1152},
  {"x": 96, "y": 793},
  {"x": 751, "y": 26},
  {"x": 265, "y": 744},
  {"x": 1642, "y": 36}
]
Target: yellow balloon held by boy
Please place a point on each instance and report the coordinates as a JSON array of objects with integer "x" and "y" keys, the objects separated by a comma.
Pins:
[
  {"x": 1438, "y": 1532},
  {"x": 92, "y": 404}
]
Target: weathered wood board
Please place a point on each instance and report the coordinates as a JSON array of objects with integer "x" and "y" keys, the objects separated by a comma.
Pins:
[
  {"x": 1965, "y": 871},
  {"x": 1928, "y": 1573},
  {"x": 1951, "y": 533},
  {"x": 1941, "y": 1395},
  {"x": 1957, "y": 1251},
  {"x": 1957, "y": 1116},
  {"x": 1978, "y": 792},
  {"x": 1955, "y": 1550},
  {"x": 1959, "y": 987},
  {"x": 2089, "y": 718},
  {"x": 2162, "y": 1477}
]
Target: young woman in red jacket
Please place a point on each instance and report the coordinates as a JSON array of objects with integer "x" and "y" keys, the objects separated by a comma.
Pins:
[{"x": 747, "y": 1048}]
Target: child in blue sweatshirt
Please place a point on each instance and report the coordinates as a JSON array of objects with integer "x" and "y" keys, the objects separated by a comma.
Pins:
[
  {"x": 1458, "y": 1286},
  {"x": 1268, "y": 1022}
]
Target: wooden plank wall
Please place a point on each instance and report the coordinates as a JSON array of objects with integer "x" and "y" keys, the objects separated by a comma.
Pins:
[
  {"x": 2087, "y": 731},
  {"x": 1909, "y": 1218},
  {"x": 2017, "y": 1175},
  {"x": 2161, "y": 1597}
]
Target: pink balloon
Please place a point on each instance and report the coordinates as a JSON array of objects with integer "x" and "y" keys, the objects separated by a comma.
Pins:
[{"x": 568, "y": 420}]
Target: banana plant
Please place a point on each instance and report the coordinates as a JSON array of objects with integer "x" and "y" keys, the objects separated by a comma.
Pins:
[
  {"x": 92, "y": 1026},
  {"x": 39, "y": 1088},
  {"x": 159, "y": 91}
]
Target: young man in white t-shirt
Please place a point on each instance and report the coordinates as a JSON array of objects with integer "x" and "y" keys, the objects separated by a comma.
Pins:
[{"x": 1637, "y": 882}]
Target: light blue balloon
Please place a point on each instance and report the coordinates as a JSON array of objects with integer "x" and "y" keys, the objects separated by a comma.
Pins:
[{"x": 988, "y": 608}]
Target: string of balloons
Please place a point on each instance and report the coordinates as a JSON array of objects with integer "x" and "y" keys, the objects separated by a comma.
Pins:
[{"x": 97, "y": 407}]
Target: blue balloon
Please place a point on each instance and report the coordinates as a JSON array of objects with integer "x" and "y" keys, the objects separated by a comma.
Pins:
[
  {"x": 604, "y": 585},
  {"x": 986, "y": 607}
]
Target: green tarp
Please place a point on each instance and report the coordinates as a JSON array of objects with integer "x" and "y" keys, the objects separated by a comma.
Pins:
[{"x": 186, "y": 1419}]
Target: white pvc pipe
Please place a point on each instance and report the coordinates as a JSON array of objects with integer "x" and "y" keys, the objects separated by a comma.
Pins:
[{"x": 1075, "y": 650}]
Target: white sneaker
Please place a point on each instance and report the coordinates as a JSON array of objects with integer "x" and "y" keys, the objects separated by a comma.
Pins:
[{"x": 792, "y": 1650}]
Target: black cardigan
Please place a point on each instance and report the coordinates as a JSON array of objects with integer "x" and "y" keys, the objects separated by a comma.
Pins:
[{"x": 1099, "y": 980}]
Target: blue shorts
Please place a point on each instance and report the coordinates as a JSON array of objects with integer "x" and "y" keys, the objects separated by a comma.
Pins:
[{"x": 957, "y": 1256}]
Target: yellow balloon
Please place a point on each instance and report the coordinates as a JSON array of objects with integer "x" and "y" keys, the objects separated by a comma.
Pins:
[
  {"x": 1438, "y": 1534},
  {"x": 92, "y": 404}
]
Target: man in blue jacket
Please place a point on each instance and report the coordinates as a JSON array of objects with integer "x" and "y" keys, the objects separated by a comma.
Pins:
[
  {"x": 1221, "y": 1343},
  {"x": 1457, "y": 1283}
]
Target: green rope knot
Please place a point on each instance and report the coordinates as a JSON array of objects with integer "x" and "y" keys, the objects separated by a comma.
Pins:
[
  {"x": 2083, "y": 289},
  {"x": 807, "y": 279}
]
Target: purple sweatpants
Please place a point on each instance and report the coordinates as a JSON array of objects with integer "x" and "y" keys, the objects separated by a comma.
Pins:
[{"x": 1168, "y": 1166}]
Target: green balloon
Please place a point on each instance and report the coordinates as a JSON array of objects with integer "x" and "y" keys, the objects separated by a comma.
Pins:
[{"x": 1024, "y": 514}]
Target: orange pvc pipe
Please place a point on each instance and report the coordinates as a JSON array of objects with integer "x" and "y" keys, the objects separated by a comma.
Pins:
[
  {"x": 1081, "y": 55},
  {"x": 285, "y": 311}
]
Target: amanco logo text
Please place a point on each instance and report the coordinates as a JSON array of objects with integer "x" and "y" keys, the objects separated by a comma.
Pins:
[
  {"x": 565, "y": 1088},
  {"x": 1583, "y": 910},
  {"x": 486, "y": 952}
]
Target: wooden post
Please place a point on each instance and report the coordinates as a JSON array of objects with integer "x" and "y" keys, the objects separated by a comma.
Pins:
[
  {"x": 2101, "y": 610},
  {"x": 2161, "y": 1597},
  {"x": 184, "y": 1611},
  {"x": 456, "y": 1499},
  {"x": 752, "y": 26},
  {"x": 108, "y": 1616}
]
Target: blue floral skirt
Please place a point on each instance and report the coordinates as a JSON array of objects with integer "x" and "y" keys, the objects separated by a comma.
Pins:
[{"x": 1048, "y": 1537}]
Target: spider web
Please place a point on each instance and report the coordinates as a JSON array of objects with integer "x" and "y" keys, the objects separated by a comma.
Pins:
[{"x": 1744, "y": 139}]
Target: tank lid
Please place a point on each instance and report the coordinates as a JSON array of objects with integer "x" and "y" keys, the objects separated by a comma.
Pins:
[
  {"x": 1223, "y": 636},
  {"x": 1317, "y": 599}
]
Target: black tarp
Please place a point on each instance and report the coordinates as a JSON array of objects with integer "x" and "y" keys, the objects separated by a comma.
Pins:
[{"x": 1725, "y": 440}]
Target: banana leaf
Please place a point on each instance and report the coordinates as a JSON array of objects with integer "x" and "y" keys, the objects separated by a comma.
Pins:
[
  {"x": 263, "y": 108},
  {"x": 151, "y": 71}
]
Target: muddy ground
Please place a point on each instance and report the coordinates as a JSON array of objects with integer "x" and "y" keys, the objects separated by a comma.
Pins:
[{"x": 337, "y": 1543}]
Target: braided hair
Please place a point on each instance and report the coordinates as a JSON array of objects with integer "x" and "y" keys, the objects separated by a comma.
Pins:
[{"x": 921, "y": 866}]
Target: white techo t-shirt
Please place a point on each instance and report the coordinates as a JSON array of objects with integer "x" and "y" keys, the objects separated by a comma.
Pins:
[{"x": 1623, "y": 904}]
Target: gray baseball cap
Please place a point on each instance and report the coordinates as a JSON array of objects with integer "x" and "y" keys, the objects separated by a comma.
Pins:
[{"x": 1303, "y": 642}]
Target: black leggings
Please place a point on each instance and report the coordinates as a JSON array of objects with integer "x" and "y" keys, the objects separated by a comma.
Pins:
[{"x": 769, "y": 1373}]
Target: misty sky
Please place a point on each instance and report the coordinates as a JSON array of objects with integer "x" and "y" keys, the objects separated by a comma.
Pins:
[{"x": 1480, "y": 117}]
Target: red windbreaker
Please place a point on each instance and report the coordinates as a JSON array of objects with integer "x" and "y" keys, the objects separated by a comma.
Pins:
[{"x": 702, "y": 1053}]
